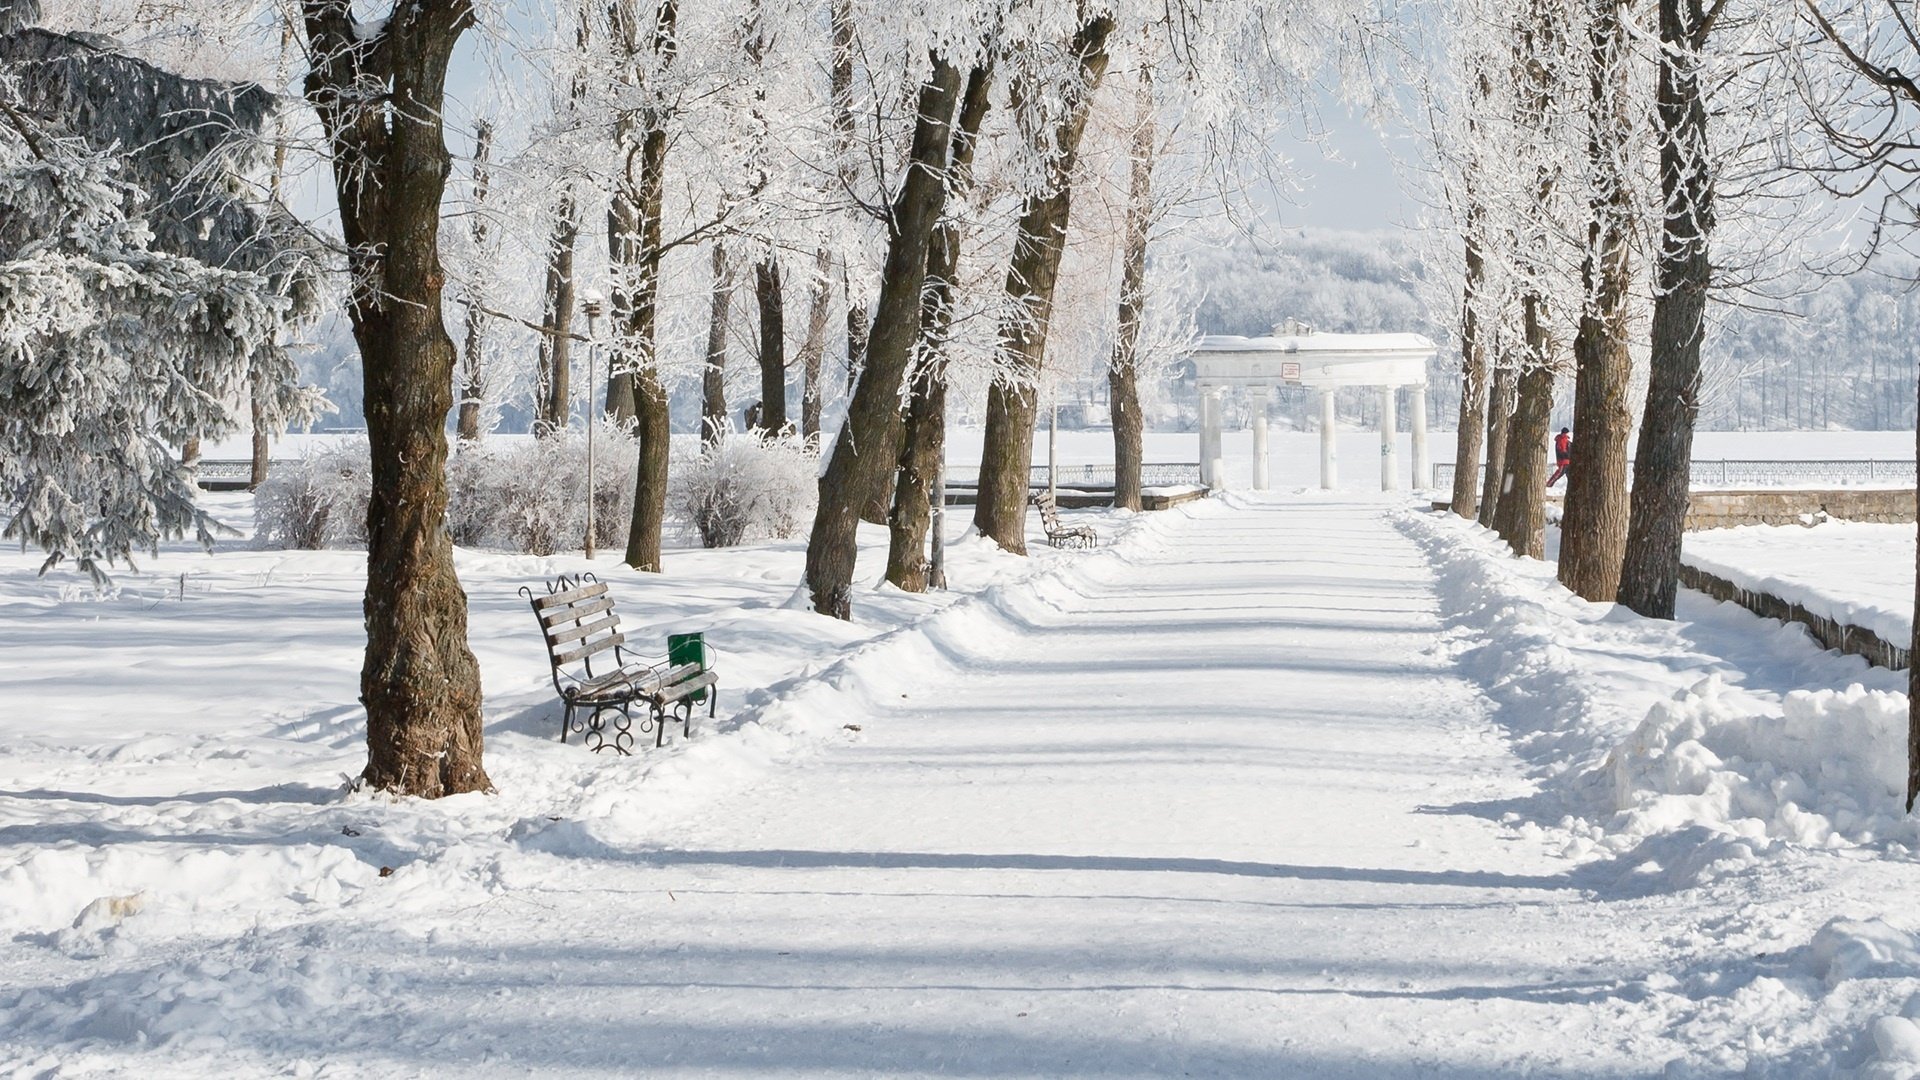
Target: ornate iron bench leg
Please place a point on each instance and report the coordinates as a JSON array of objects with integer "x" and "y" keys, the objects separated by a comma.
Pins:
[{"x": 566, "y": 721}]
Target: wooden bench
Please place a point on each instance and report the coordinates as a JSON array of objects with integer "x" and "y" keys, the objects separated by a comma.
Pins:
[
  {"x": 1078, "y": 536},
  {"x": 580, "y": 626}
]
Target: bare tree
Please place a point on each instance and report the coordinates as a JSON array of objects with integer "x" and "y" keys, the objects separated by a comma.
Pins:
[
  {"x": 1039, "y": 239},
  {"x": 924, "y": 442},
  {"x": 419, "y": 682},
  {"x": 868, "y": 446},
  {"x": 1123, "y": 370},
  {"x": 635, "y": 392},
  {"x": 1593, "y": 533},
  {"x": 474, "y": 387},
  {"x": 1662, "y": 466},
  {"x": 713, "y": 378}
]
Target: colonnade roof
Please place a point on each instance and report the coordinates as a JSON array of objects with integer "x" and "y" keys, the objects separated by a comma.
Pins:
[{"x": 1304, "y": 357}]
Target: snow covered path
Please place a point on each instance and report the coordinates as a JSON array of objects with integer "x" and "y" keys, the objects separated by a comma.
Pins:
[{"x": 1212, "y": 818}]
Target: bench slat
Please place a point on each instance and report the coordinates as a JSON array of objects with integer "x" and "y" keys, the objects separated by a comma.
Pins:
[
  {"x": 681, "y": 689},
  {"x": 561, "y": 637},
  {"x": 576, "y": 612},
  {"x": 589, "y": 648},
  {"x": 568, "y": 596},
  {"x": 626, "y": 685}
]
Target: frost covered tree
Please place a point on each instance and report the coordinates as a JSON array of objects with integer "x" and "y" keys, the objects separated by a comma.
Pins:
[
  {"x": 143, "y": 292},
  {"x": 1594, "y": 530},
  {"x": 379, "y": 87}
]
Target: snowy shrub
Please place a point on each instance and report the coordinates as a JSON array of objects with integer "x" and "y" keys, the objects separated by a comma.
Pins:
[
  {"x": 530, "y": 494},
  {"x": 524, "y": 495},
  {"x": 317, "y": 502},
  {"x": 746, "y": 487}
]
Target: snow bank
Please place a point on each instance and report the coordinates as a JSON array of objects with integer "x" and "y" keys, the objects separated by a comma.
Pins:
[
  {"x": 1729, "y": 757},
  {"x": 1637, "y": 728},
  {"x": 1857, "y": 573},
  {"x": 1827, "y": 769}
]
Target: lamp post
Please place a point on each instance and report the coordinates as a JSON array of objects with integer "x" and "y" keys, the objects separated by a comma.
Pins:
[{"x": 591, "y": 305}]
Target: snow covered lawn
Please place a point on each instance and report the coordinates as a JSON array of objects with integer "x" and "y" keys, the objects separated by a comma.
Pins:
[{"x": 1851, "y": 572}]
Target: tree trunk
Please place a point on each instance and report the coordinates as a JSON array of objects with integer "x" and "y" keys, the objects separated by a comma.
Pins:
[
  {"x": 1473, "y": 379},
  {"x": 1039, "y": 240},
  {"x": 1520, "y": 515},
  {"x": 868, "y": 446},
  {"x": 1663, "y": 463},
  {"x": 713, "y": 378},
  {"x": 1593, "y": 531},
  {"x": 924, "y": 444},
  {"x": 1123, "y": 385},
  {"x": 262, "y": 453},
  {"x": 633, "y": 244},
  {"x": 773, "y": 347},
  {"x": 419, "y": 682},
  {"x": 476, "y": 387},
  {"x": 1519, "y": 512},
  {"x": 1913, "y": 673},
  {"x": 1500, "y": 404},
  {"x": 813, "y": 347},
  {"x": 840, "y": 84},
  {"x": 552, "y": 411}
]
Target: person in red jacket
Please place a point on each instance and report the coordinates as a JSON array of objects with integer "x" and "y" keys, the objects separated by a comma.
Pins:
[{"x": 1562, "y": 455}]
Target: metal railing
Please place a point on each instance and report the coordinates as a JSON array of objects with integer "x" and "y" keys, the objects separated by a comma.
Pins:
[{"x": 1766, "y": 474}]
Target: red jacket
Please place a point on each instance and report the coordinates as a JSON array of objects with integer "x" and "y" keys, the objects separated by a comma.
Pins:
[{"x": 1563, "y": 447}]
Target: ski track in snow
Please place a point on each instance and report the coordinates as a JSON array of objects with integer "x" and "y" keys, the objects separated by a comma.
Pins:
[{"x": 1230, "y": 798}]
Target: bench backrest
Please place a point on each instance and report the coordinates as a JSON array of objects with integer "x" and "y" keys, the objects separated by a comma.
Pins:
[
  {"x": 577, "y": 618},
  {"x": 1049, "y": 510}
]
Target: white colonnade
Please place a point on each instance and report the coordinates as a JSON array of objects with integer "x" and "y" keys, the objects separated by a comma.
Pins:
[{"x": 1296, "y": 355}]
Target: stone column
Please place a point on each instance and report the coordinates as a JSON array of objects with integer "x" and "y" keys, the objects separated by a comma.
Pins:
[
  {"x": 1422, "y": 462},
  {"x": 1329, "y": 443},
  {"x": 1260, "y": 442},
  {"x": 1389, "y": 459},
  {"x": 1216, "y": 441}
]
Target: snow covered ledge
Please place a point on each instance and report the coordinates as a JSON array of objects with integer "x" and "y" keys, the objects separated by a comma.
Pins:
[{"x": 1296, "y": 354}]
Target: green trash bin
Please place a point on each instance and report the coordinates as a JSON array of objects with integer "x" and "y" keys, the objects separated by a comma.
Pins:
[{"x": 689, "y": 649}]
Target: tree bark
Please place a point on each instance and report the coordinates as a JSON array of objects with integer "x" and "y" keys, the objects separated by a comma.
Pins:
[
  {"x": 1123, "y": 382},
  {"x": 419, "y": 682},
  {"x": 924, "y": 444},
  {"x": 773, "y": 347},
  {"x": 636, "y": 395},
  {"x": 1520, "y": 515},
  {"x": 1593, "y": 531},
  {"x": 713, "y": 377},
  {"x": 840, "y": 86},
  {"x": 1039, "y": 240},
  {"x": 1662, "y": 465},
  {"x": 471, "y": 357},
  {"x": 1500, "y": 403},
  {"x": 868, "y": 445},
  {"x": 262, "y": 453},
  {"x": 813, "y": 347},
  {"x": 1473, "y": 378},
  {"x": 556, "y": 342}
]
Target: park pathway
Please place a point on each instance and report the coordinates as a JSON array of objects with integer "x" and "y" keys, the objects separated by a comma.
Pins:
[{"x": 1228, "y": 812}]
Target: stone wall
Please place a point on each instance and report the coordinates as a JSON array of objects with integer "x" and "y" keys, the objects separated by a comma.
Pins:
[
  {"x": 1834, "y": 635},
  {"x": 1722, "y": 509},
  {"x": 1780, "y": 506}
]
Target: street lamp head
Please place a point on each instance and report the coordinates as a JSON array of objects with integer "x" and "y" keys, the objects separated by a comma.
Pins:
[{"x": 592, "y": 303}]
